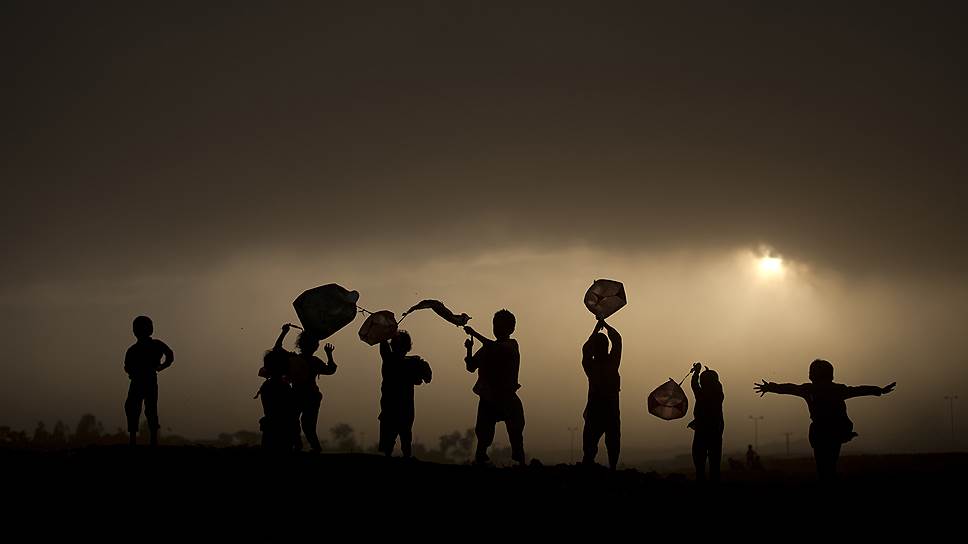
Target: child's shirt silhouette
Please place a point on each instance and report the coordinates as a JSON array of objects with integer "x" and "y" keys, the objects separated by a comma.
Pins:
[
  {"x": 708, "y": 412},
  {"x": 828, "y": 409},
  {"x": 400, "y": 374},
  {"x": 303, "y": 370},
  {"x": 497, "y": 363},
  {"x": 143, "y": 360},
  {"x": 602, "y": 372}
]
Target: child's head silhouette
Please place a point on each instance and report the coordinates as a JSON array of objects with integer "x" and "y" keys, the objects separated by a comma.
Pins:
[
  {"x": 275, "y": 363},
  {"x": 503, "y": 323},
  {"x": 401, "y": 342},
  {"x": 143, "y": 327},
  {"x": 821, "y": 371},
  {"x": 709, "y": 379},
  {"x": 307, "y": 343}
]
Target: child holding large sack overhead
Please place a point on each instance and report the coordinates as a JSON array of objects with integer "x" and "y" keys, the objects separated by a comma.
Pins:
[
  {"x": 707, "y": 442},
  {"x": 829, "y": 426},
  {"x": 401, "y": 372},
  {"x": 602, "y": 411},
  {"x": 302, "y": 371}
]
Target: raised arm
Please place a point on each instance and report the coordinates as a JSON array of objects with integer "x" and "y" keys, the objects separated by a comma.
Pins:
[
  {"x": 779, "y": 388},
  {"x": 696, "y": 367},
  {"x": 385, "y": 350},
  {"x": 169, "y": 355},
  {"x": 282, "y": 336},
  {"x": 329, "y": 367},
  {"x": 615, "y": 338},
  {"x": 480, "y": 338},
  {"x": 598, "y": 326},
  {"x": 868, "y": 390},
  {"x": 586, "y": 348}
]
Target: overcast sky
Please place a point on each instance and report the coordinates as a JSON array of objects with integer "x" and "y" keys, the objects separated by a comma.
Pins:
[{"x": 204, "y": 165}]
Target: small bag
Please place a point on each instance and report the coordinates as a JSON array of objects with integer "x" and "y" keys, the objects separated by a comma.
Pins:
[
  {"x": 668, "y": 401},
  {"x": 378, "y": 327}
]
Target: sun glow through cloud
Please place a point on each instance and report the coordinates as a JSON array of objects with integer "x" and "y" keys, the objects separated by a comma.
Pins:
[{"x": 771, "y": 266}]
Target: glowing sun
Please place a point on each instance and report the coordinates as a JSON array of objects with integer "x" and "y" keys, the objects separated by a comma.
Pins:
[{"x": 770, "y": 266}]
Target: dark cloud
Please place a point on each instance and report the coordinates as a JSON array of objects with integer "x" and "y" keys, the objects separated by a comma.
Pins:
[{"x": 140, "y": 136}]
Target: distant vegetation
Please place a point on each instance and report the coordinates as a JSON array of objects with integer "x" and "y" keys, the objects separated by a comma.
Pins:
[{"x": 454, "y": 447}]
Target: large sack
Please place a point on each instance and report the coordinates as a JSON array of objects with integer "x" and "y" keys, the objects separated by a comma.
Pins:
[
  {"x": 605, "y": 297},
  {"x": 326, "y": 309}
]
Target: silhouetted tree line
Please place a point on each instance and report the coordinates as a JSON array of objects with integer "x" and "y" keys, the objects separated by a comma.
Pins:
[
  {"x": 88, "y": 431},
  {"x": 454, "y": 447}
]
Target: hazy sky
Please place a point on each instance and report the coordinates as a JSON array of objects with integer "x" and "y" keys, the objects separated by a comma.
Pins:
[{"x": 205, "y": 165}]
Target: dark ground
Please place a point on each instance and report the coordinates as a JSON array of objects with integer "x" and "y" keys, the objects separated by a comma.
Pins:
[{"x": 244, "y": 487}]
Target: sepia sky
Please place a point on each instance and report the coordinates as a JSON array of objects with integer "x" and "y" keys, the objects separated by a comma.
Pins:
[{"x": 205, "y": 164}]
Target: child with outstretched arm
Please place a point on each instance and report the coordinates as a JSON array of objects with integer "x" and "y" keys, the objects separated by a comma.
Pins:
[{"x": 829, "y": 427}]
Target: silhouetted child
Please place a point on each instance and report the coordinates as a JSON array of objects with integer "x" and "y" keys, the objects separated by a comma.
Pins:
[
  {"x": 143, "y": 361},
  {"x": 830, "y": 427},
  {"x": 707, "y": 441},
  {"x": 303, "y": 369},
  {"x": 602, "y": 410},
  {"x": 280, "y": 421},
  {"x": 497, "y": 363},
  {"x": 401, "y": 372}
]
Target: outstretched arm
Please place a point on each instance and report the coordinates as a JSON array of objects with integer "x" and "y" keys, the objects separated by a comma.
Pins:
[
  {"x": 779, "y": 388},
  {"x": 868, "y": 390},
  {"x": 169, "y": 356}
]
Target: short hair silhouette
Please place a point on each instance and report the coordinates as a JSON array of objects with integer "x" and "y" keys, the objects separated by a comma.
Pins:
[
  {"x": 821, "y": 371},
  {"x": 504, "y": 323},
  {"x": 710, "y": 379},
  {"x": 142, "y": 327},
  {"x": 401, "y": 342},
  {"x": 307, "y": 343},
  {"x": 276, "y": 362}
]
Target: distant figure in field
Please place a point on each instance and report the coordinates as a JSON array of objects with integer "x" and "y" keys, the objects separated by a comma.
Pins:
[
  {"x": 707, "y": 442},
  {"x": 303, "y": 369},
  {"x": 280, "y": 421},
  {"x": 497, "y": 363},
  {"x": 143, "y": 361},
  {"x": 830, "y": 427},
  {"x": 751, "y": 456},
  {"x": 602, "y": 410},
  {"x": 401, "y": 372}
]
